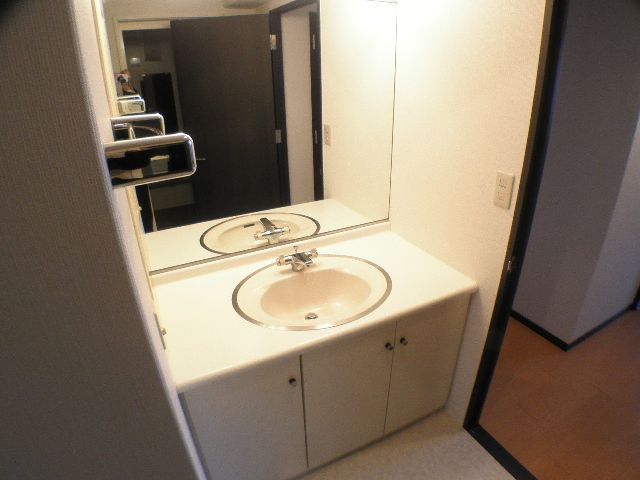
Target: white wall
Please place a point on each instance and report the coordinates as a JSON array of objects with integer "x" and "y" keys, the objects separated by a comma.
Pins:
[
  {"x": 466, "y": 74},
  {"x": 616, "y": 278},
  {"x": 358, "y": 58},
  {"x": 297, "y": 95},
  {"x": 593, "y": 124},
  {"x": 82, "y": 393}
]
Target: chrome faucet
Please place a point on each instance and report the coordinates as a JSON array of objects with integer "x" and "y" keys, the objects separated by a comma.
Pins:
[
  {"x": 270, "y": 232},
  {"x": 298, "y": 260}
]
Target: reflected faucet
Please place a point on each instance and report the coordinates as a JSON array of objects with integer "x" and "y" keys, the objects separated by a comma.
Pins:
[
  {"x": 298, "y": 260},
  {"x": 270, "y": 232}
]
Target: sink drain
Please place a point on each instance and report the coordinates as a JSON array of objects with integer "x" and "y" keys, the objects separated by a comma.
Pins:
[{"x": 311, "y": 316}]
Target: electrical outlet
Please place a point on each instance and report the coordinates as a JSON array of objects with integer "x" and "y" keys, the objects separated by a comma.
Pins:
[
  {"x": 503, "y": 190},
  {"x": 326, "y": 134}
]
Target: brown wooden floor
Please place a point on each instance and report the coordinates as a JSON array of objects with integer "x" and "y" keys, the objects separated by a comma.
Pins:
[{"x": 570, "y": 415}]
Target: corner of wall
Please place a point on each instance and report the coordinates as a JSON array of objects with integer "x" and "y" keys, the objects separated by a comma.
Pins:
[
  {"x": 569, "y": 284},
  {"x": 89, "y": 47},
  {"x": 616, "y": 278}
]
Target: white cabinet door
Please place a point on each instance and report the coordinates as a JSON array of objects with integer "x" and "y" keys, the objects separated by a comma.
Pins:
[
  {"x": 251, "y": 425},
  {"x": 345, "y": 390},
  {"x": 427, "y": 344}
]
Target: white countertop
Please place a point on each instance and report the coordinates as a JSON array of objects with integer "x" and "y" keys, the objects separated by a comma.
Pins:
[
  {"x": 180, "y": 245},
  {"x": 207, "y": 339}
]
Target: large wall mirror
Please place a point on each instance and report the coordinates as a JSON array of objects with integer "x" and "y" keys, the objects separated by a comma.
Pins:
[{"x": 290, "y": 106}]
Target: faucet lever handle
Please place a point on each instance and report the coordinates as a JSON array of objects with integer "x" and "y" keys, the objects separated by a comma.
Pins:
[{"x": 283, "y": 260}]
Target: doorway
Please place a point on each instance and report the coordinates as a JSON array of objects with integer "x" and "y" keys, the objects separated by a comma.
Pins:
[
  {"x": 296, "y": 54},
  {"x": 585, "y": 127}
]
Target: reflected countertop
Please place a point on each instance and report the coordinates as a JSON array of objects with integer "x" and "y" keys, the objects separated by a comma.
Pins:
[{"x": 177, "y": 246}]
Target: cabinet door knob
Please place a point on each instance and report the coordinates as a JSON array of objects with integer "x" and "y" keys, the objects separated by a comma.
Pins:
[
  {"x": 404, "y": 341},
  {"x": 389, "y": 346},
  {"x": 293, "y": 382}
]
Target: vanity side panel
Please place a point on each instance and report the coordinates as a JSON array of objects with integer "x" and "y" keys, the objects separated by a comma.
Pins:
[
  {"x": 423, "y": 365},
  {"x": 251, "y": 425},
  {"x": 345, "y": 390}
]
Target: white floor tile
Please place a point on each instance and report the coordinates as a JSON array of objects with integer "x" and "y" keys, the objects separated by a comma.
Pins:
[{"x": 436, "y": 448}]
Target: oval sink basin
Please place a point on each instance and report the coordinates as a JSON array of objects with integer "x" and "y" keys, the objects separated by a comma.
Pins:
[
  {"x": 237, "y": 234},
  {"x": 334, "y": 290}
]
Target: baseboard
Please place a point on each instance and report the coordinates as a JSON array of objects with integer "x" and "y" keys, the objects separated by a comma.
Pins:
[
  {"x": 583, "y": 337},
  {"x": 561, "y": 343},
  {"x": 497, "y": 451},
  {"x": 540, "y": 331}
]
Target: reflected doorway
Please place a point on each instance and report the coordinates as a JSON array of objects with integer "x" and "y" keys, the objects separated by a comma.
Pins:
[{"x": 235, "y": 84}]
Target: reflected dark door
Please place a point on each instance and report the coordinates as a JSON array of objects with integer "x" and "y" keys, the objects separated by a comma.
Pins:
[{"x": 225, "y": 84}]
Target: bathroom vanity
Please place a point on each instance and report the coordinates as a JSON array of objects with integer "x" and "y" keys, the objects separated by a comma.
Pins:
[
  {"x": 267, "y": 403},
  {"x": 273, "y": 386}
]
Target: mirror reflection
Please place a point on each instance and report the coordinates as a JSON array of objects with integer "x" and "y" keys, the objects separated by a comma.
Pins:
[{"x": 289, "y": 104}]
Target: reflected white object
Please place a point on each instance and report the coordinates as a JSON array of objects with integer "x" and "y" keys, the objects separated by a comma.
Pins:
[
  {"x": 335, "y": 290},
  {"x": 243, "y": 233},
  {"x": 131, "y": 105}
]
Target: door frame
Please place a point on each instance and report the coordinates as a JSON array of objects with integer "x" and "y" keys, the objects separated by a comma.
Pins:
[
  {"x": 636, "y": 301},
  {"x": 277, "y": 62},
  {"x": 316, "y": 104},
  {"x": 535, "y": 153}
]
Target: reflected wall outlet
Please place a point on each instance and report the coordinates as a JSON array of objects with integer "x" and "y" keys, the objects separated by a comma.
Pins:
[
  {"x": 503, "y": 190},
  {"x": 326, "y": 134}
]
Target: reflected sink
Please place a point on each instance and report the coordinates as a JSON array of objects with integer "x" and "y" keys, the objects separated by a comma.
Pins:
[
  {"x": 334, "y": 290},
  {"x": 237, "y": 234}
]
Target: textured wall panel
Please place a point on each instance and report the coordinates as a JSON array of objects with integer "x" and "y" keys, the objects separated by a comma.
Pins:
[{"x": 82, "y": 396}]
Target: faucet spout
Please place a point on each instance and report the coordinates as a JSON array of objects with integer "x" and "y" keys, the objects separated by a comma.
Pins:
[
  {"x": 304, "y": 257},
  {"x": 271, "y": 232},
  {"x": 298, "y": 260}
]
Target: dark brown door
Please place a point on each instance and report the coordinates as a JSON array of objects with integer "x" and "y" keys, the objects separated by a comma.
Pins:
[{"x": 225, "y": 85}]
